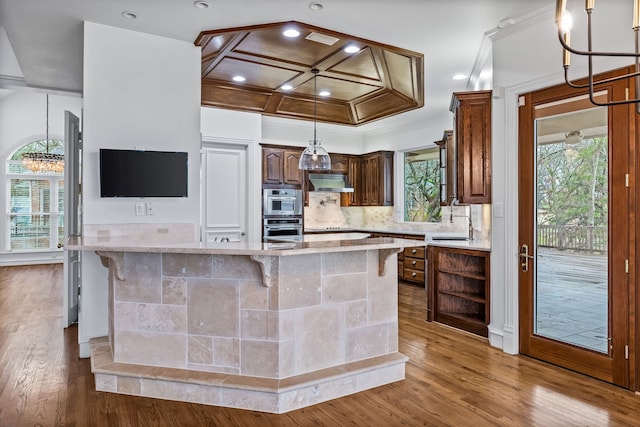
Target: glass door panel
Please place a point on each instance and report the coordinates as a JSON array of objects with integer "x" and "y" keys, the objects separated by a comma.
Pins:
[{"x": 571, "y": 297}]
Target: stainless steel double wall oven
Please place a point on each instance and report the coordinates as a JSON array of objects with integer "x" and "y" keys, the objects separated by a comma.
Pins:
[{"x": 282, "y": 212}]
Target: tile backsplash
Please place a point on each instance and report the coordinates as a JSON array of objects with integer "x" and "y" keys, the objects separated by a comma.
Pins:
[{"x": 324, "y": 211}]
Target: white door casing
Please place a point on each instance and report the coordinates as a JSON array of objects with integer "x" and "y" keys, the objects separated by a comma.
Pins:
[
  {"x": 224, "y": 192},
  {"x": 72, "y": 216}
]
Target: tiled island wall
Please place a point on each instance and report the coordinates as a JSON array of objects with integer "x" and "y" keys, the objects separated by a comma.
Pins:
[{"x": 320, "y": 326}]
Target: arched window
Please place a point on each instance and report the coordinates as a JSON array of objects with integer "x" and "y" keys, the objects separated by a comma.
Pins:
[{"x": 35, "y": 205}]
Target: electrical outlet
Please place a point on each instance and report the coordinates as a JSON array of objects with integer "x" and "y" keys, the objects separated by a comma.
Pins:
[
  {"x": 151, "y": 210},
  {"x": 140, "y": 209}
]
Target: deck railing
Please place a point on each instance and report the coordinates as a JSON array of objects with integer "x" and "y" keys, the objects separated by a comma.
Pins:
[{"x": 574, "y": 237}]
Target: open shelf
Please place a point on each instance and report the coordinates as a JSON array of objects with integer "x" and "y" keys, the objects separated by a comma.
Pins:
[
  {"x": 458, "y": 288},
  {"x": 470, "y": 296},
  {"x": 470, "y": 275}
]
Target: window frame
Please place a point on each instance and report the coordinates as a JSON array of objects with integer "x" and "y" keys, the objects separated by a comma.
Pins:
[
  {"x": 56, "y": 209},
  {"x": 435, "y": 151}
]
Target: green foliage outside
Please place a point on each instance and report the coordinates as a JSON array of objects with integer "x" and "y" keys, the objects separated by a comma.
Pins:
[
  {"x": 573, "y": 183},
  {"x": 422, "y": 191}
]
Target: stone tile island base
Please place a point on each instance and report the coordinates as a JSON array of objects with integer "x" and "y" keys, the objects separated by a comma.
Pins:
[
  {"x": 242, "y": 392},
  {"x": 253, "y": 328}
]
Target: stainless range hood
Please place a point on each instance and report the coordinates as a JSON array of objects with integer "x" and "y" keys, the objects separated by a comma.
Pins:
[{"x": 330, "y": 182}]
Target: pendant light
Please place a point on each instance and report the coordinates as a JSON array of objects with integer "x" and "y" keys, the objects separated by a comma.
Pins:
[
  {"x": 38, "y": 162},
  {"x": 315, "y": 157}
]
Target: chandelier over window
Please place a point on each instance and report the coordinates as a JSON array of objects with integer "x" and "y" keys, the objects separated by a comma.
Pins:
[
  {"x": 315, "y": 157},
  {"x": 565, "y": 22},
  {"x": 39, "y": 162}
]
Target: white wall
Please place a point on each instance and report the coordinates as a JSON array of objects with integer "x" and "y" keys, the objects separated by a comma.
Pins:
[
  {"x": 140, "y": 91},
  {"x": 334, "y": 138},
  {"x": 23, "y": 120}
]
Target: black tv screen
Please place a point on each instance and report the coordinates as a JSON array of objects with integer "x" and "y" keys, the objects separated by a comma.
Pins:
[{"x": 134, "y": 173}]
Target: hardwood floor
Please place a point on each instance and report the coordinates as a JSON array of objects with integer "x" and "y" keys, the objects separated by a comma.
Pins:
[{"x": 452, "y": 378}]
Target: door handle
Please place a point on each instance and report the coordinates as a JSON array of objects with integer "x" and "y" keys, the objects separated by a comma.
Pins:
[{"x": 525, "y": 257}]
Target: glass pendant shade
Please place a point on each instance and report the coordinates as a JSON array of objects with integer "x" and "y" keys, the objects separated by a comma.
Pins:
[{"x": 314, "y": 157}]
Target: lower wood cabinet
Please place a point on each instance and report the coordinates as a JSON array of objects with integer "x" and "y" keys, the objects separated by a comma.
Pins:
[
  {"x": 411, "y": 261},
  {"x": 458, "y": 288}
]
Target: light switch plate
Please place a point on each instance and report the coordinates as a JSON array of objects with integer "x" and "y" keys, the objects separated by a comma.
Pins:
[
  {"x": 498, "y": 210},
  {"x": 140, "y": 209}
]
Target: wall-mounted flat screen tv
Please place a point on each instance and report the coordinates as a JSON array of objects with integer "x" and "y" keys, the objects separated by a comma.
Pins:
[{"x": 135, "y": 173}]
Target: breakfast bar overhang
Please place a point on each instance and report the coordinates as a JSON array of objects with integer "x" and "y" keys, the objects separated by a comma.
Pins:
[{"x": 269, "y": 327}]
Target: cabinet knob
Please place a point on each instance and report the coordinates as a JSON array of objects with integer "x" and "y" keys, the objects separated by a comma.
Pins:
[
  {"x": 414, "y": 274},
  {"x": 414, "y": 251},
  {"x": 413, "y": 262}
]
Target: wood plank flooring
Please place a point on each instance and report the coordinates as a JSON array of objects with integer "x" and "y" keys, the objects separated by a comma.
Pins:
[{"x": 453, "y": 379}]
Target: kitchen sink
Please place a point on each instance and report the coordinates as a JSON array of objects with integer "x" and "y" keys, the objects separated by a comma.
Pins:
[{"x": 449, "y": 238}]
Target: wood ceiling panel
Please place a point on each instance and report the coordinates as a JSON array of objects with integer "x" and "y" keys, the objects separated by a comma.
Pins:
[
  {"x": 362, "y": 65},
  {"x": 301, "y": 108},
  {"x": 256, "y": 74},
  {"x": 385, "y": 104},
  {"x": 273, "y": 45},
  {"x": 235, "y": 98},
  {"x": 401, "y": 65},
  {"x": 216, "y": 44},
  {"x": 372, "y": 83},
  {"x": 341, "y": 90}
]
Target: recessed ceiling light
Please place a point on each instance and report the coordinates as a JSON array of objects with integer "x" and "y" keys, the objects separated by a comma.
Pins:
[
  {"x": 129, "y": 15},
  {"x": 201, "y": 4},
  {"x": 286, "y": 87},
  {"x": 352, "y": 48},
  {"x": 324, "y": 93},
  {"x": 238, "y": 78},
  {"x": 291, "y": 32},
  {"x": 459, "y": 77},
  {"x": 316, "y": 6},
  {"x": 507, "y": 22}
]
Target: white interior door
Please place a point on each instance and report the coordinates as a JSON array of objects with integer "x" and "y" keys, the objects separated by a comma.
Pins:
[
  {"x": 72, "y": 215},
  {"x": 224, "y": 192}
]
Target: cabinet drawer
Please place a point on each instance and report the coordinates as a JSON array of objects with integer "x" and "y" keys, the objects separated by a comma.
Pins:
[
  {"x": 414, "y": 263},
  {"x": 413, "y": 275},
  {"x": 417, "y": 252}
]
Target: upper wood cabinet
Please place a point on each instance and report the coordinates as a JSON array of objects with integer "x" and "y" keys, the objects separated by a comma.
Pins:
[
  {"x": 447, "y": 168},
  {"x": 472, "y": 146},
  {"x": 340, "y": 163},
  {"x": 280, "y": 166},
  {"x": 377, "y": 179},
  {"x": 354, "y": 176},
  {"x": 371, "y": 175}
]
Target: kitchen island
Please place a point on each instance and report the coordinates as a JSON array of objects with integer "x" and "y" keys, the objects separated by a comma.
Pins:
[{"x": 263, "y": 326}]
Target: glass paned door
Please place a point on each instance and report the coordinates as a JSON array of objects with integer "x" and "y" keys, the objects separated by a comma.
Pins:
[{"x": 571, "y": 219}]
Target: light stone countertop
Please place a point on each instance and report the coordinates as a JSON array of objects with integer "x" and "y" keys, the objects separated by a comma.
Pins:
[
  {"x": 476, "y": 244},
  {"x": 156, "y": 244},
  {"x": 480, "y": 244}
]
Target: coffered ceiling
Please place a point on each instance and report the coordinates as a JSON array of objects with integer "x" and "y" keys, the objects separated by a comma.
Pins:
[
  {"x": 450, "y": 34},
  {"x": 372, "y": 82}
]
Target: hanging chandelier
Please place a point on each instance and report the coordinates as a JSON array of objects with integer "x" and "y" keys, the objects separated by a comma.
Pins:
[
  {"x": 315, "y": 157},
  {"x": 38, "y": 162},
  {"x": 565, "y": 22}
]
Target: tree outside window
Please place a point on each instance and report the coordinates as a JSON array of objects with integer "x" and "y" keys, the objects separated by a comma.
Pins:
[
  {"x": 422, "y": 186},
  {"x": 35, "y": 210}
]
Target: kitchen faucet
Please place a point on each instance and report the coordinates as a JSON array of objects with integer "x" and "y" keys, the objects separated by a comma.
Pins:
[{"x": 468, "y": 217}]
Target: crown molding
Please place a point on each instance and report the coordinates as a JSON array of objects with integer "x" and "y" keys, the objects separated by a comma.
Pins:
[{"x": 19, "y": 83}]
